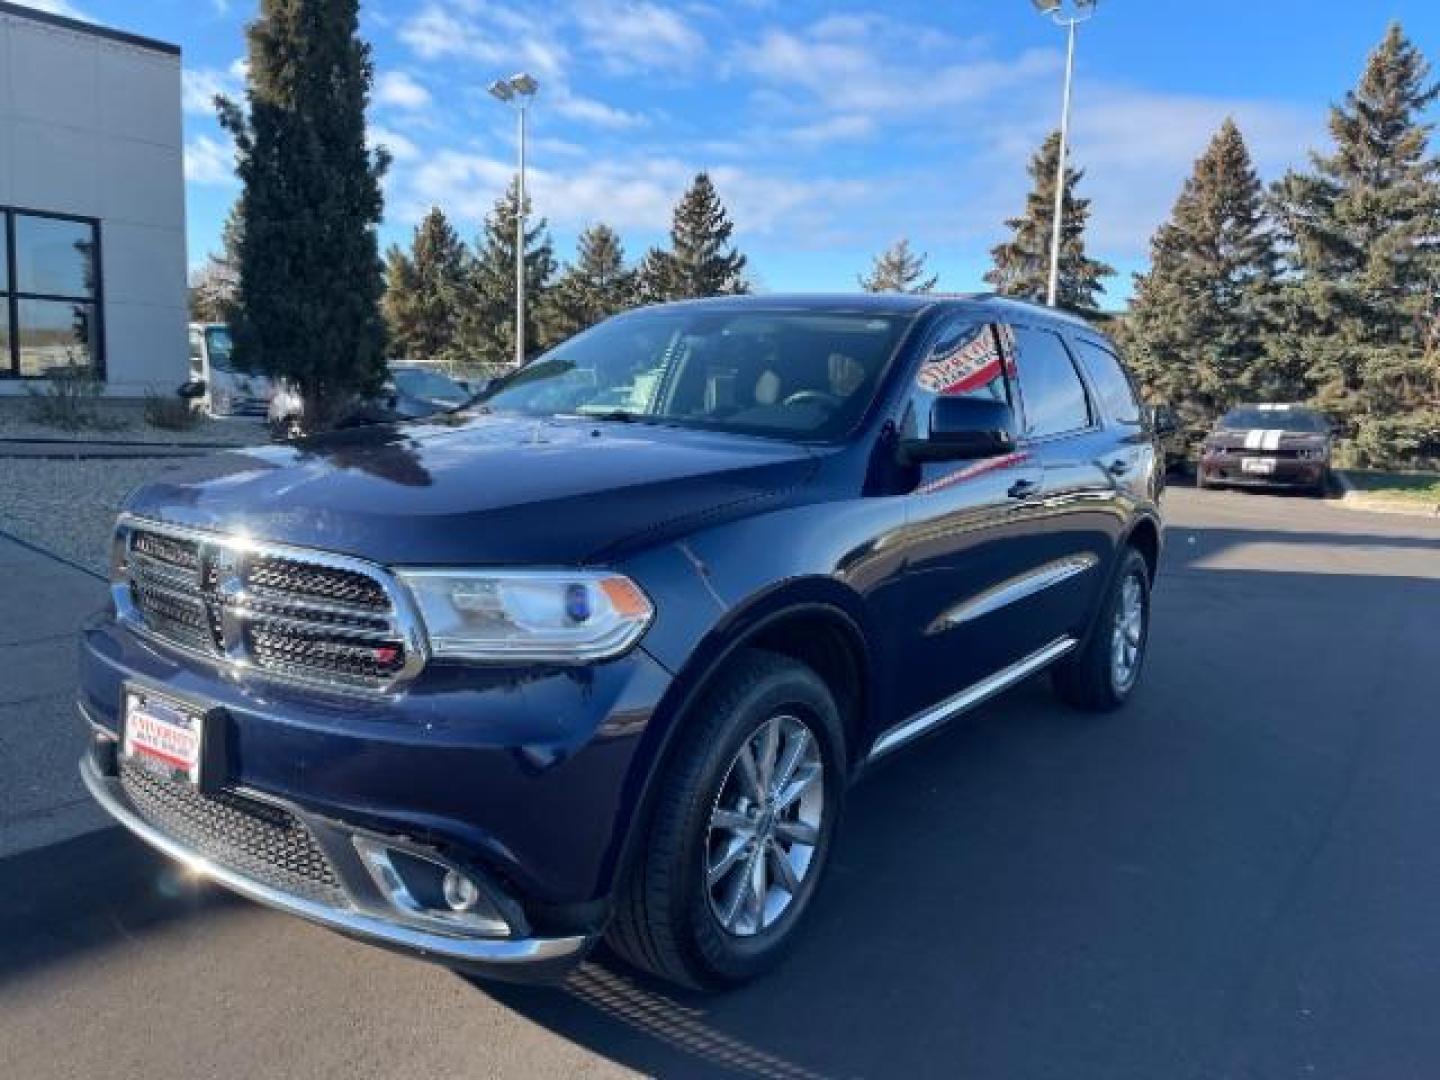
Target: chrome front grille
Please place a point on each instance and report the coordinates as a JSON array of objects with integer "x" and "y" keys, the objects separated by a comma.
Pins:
[{"x": 295, "y": 615}]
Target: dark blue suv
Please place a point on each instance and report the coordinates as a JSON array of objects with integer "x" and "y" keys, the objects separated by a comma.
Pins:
[{"x": 599, "y": 654}]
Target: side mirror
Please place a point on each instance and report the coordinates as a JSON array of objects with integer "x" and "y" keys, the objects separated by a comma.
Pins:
[
  {"x": 1165, "y": 421},
  {"x": 965, "y": 429},
  {"x": 193, "y": 389}
]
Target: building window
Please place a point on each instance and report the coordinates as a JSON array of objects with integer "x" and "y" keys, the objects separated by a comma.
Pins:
[{"x": 49, "y": 296}]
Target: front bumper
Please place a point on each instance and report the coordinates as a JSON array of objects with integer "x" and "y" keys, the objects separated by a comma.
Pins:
[
  {"x": 526, "y": 781},
  {"x": 494, "y": 956},
  {"x": 1288, "y": 472}
]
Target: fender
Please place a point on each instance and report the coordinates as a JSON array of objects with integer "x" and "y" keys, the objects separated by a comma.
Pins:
[{"x": 739, "y": 626}]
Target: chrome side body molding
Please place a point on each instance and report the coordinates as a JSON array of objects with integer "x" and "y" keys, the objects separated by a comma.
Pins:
[
  {"x": 967, "y": 699},
  {"x": 1014, "y": 590}
]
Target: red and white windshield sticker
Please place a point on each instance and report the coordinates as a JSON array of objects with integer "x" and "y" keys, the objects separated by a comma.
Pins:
[{"x": 967, "y": 366}]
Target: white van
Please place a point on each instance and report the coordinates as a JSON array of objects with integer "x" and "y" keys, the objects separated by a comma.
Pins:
[{"x": 226, "y": 392}]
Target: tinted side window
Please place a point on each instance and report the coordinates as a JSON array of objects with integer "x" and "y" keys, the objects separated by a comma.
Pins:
[
  {"x": 1117, "y": 396},
  {"x": 964, "y": 361},
  {"x": 1050, "y": 386}
]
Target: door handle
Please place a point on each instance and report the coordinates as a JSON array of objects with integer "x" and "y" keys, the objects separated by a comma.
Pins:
[
  {"x": 1118, "y": 467},
  {"x": 1023, "y": 489}
]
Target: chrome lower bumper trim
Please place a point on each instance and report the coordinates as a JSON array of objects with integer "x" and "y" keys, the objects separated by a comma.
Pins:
[{"x": 480, "y": 952}]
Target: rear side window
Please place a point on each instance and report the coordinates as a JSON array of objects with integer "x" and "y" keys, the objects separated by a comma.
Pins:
[
  {"x": 1050, "y": 387},
  {"x": 1112, "y": 386}
]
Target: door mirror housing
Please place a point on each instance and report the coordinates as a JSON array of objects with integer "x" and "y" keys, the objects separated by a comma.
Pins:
[
  {"x": 193, "y": 389},
  {"x": 965, "y": 429},
  {"x": 1164, "y": 420}
]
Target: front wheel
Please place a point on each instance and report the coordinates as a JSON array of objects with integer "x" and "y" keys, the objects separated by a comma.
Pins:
[
  {"x": 742, "y": 831},
  {"x": 1102, "y": 676}
]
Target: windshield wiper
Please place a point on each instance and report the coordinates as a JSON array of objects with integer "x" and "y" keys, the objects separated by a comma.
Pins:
[{"x": 616, "y": 416}]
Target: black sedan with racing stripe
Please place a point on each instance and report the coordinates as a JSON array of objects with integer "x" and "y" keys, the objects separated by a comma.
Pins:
[{"x": 1268, "y": 446}]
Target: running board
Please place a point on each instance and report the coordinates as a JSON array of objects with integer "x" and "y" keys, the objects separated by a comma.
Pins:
[{"x": 967, "y": 699}]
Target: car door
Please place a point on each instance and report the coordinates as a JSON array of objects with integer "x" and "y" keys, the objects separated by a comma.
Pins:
[
  {"x": 969, "y": 531},
  {"x": 1085, "y": 466}
]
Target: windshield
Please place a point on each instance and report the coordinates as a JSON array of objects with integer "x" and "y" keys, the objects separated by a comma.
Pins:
[
  {"x": 220, "y": 347},
  {"x": 431, "y": 385},
  {"x": 783, "y": 374},
  {"x": 1275, "y": 420}
]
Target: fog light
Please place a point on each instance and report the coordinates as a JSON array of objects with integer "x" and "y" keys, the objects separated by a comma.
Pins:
[{"x": 461, "y": 893}]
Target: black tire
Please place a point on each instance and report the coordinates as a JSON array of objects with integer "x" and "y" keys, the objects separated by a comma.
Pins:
[
  {"x": 1322, "y": 486},
  {"x": 664, "y": 921},
  {"x": 1087, "y": 679}
]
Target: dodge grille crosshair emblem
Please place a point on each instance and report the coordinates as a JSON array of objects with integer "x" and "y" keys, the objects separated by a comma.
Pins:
[{"x": 229, "y": 592}]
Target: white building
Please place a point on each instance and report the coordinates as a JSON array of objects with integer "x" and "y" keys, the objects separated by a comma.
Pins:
[{"x": 92, "y": 205}]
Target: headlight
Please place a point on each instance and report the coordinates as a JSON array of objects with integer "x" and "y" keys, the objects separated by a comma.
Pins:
[{"x": 516, "y": 615}]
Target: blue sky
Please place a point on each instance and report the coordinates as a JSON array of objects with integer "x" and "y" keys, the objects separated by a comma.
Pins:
[{"x": 830, "y": 128}]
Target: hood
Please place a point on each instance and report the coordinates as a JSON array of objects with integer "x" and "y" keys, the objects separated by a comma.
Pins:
[
  {"x": 479, "y": 490},
  {"x": 1264, "y": 438}
]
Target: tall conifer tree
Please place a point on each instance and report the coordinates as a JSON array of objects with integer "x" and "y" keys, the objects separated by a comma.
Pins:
[
  {"x": 1202, "y": 313},
  {"x": 423, "y": 291},
  {"x": 1022, "y": 264},
  {"x": 310, "y": 273},
  {"x": 597, "y": 286},
  {"x": 487, "y": 317},
  {"x": 701, "y": 261},
  {"x": 1360, "y": 231}
]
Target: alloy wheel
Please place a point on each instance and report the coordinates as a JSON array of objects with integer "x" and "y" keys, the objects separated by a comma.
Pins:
[
  {"x": 765, "y": 826},
  {"x": 1127, "y": 637}
]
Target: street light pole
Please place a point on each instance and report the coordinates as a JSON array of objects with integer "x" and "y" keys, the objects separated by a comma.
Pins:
[
  {"x": 1081, "y": 11},
  {"x": 518, "y": 90},
  {"x": 520, "y": 250}
]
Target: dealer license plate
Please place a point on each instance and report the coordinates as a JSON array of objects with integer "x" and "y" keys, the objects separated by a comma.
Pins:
[
  {"x": 1258, "y": 466},
  {"x": 163, "y": 735}
]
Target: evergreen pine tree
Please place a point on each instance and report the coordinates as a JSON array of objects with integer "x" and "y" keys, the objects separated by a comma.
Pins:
[
  {"x": 597, "y": 286},
  {"x": 898, "y": 269},
  {"x": 1360, "y": 234},
  {"x": 487, "y": 317},
  {"x": 1201, "y": 315},
  {"x": 1022, "y": 265},
  {"x": 701, "y": 260},
  {"x": 310, "y": 271},
  {"x": 423, "y": 291}
]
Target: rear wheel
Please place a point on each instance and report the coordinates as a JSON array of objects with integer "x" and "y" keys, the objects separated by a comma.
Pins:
[
  {"x": 742, "y": 830},
  {"x": 1102, "y": 676}
]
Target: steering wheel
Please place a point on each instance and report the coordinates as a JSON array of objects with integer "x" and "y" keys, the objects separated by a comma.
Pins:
[{"x": 818, "y": 397}]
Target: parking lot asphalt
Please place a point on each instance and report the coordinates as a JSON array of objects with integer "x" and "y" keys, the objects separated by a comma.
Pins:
[{"x": 1237, "y": 876}]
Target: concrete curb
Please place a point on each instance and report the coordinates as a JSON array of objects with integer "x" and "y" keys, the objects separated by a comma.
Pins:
[{"x": 1352, "y": 498}]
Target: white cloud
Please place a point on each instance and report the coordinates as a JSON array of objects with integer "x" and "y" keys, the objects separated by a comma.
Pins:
[
  {"x": 199, "y": 87},
  {"x": 484, "y": 34},
  {"x": 401, "y": 147},
  {"x": 630, "y": 193},
  {"x": 635, "y": 35},
  {"x": 589, "y": 111},
  {"x": 844, "y": 70},
  {"x": 401, "y": 90},
  {"x": 209, "y": 161},
  {"x": 847, "y": 126}
]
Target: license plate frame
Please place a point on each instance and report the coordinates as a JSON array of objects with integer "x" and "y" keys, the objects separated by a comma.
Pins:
[
  {"x": 1257, "y": 466},
  {"x": 175, "y": 739}
]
